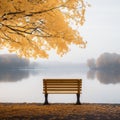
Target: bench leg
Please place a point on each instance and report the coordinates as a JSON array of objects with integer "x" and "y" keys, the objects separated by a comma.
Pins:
[
  {"x": 46, "y": 99},
  {"x": 78, "y": 99}
]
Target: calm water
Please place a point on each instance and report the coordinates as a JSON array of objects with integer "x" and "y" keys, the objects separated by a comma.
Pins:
[{"x": 26, "y": 85}]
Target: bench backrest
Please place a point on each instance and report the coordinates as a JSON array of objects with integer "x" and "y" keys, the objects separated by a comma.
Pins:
[{"x": 62, "y": 86}]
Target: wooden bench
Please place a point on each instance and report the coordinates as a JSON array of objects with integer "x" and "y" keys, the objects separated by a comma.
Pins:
[{"x": 62, "y": 86}]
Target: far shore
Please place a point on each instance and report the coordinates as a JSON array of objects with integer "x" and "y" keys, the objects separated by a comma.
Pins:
[{"x": 59, "y": 111}]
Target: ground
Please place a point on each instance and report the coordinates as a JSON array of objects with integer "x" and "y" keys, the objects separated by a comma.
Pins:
[{"x": 34, "y": 111}]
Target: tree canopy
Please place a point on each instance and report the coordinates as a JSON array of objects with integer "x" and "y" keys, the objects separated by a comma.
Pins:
[{"x": 33, "y": 27}]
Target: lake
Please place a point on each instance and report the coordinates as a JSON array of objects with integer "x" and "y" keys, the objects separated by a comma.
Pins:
[{"x": 26, "y": 85}]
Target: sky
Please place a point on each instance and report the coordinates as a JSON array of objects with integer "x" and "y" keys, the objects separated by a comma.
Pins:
[{"x": 100, "y": 30}]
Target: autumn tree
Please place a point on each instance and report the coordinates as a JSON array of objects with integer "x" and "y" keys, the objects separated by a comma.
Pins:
[{"x": 33, "y": 27}]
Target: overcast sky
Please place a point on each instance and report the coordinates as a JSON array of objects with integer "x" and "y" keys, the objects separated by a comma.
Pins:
[
  {"x": 101, "y": 31},
  {"x": 102, "y": 28}
]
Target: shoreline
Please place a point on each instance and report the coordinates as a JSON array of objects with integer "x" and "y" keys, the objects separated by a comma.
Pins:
[{"x": 36, "y": 103}]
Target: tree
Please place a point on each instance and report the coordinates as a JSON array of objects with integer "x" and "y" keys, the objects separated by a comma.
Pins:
[{"x": 33, "y": 27}]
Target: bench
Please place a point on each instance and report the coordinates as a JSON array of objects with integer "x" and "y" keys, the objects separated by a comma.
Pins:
[{"x": 62, "y": 86}]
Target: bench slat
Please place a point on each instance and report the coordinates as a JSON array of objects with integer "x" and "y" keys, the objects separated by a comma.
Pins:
[
  {"x": 67, "y": 81},
  {"x": 62, "y": 81},
  {"x": 69, "y": 85},
  {"x": 61, "y": 84},
  {"x": 62, "y": 92},
  {"x": 75, "y": 85},
  {"x": 61, "y": 87}
]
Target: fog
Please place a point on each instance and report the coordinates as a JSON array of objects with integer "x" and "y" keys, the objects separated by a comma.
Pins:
[
  {"x": 106, "y": 68},
  {"x": 13, "y": 68},
  {"x": 10, "y": 61}
]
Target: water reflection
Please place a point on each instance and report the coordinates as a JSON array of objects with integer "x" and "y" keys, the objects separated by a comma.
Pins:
[
  {"x": 106, "y": 68},
  {"x": 105, "y": 77},
  {"x": 52, "y": 70},
  {"x": 13, "y": 75}
]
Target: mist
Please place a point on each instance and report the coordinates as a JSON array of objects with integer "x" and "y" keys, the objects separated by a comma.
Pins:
[
  {"x": 12, "y": 61},
  {"x": 14, "y": 68},
  {"x": 106, "y": 68}
]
